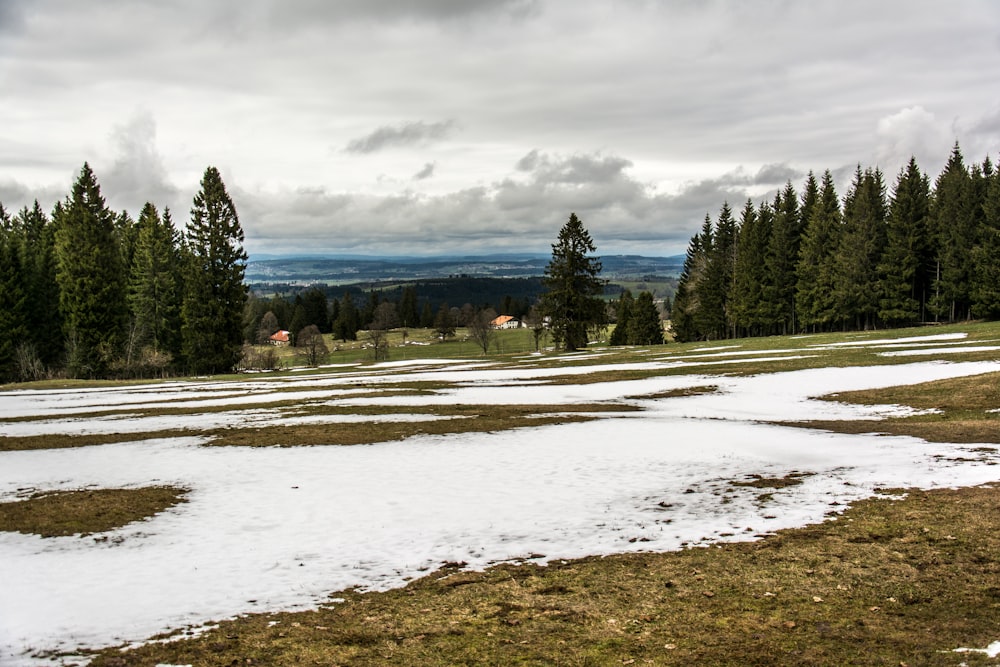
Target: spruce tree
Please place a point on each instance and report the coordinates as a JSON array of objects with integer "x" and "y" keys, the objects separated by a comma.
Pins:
[
  {"x": 816, "y": 270},
  {"x": 155, "y": 287},
  {"x": 214, "y": 297},
  {"x": 862, "y": 243},
  {"x": 986, "y": 254},
  {"x": 718, "y": 285},
  {"x": 750, "y": 276},
  {"x": 685, "y": 312},
  {"x": 346, "y": 326},
  {"x": 644, "y": 325},
  {"x": 91, "y": 279},
  {"x": 13, "y": 301},
  {"x": 953, "y": 229},
  {"x": 574, "y": 287},
  {"x": 902, "y": 271},
  {"x": 623, "y": 313},
  {"x": 38, "y": 261},
  {"x": 781, "y": 261}
]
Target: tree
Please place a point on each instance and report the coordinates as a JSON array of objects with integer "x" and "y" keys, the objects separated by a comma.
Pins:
[
  {"x": 717, "y": 316},
  {"x": 781, "y": 261},
  {"x": 644, "y": 325},
  {"x": 750, "y": 276},
  {"x": 815, "y": 272},
  {"x": 212, "y": 312},
  {"x": 623, "y": 314},
  {"x": 444, "y": 323},
  {"x": 408, "y": 315},
  {"x": 13, "y": 305},
  {"x": 952, "y": 226},
  {"x": 986, "y": 254},
  {"x": 155, "y": 281},
  {"x": 268, "y": 325},
  {"x": 316, "y": 309},
  {"x": 902, "y": 271},
  {"x": 535, "y": 320},
  {"x": 572, "y": 299},
  {"x": 684, "y": 316},
  {"x": 481, "y": 328},
  {"x": 346, "y": 326},
  {"x": 311, "y": 345},
  {"x": 862, "y": 242},
  {"x": 383, "y": 319},
  {"x": 91, "y": 279}
]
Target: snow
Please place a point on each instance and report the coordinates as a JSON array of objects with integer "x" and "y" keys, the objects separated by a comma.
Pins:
[{"x": 283, "y": 528}]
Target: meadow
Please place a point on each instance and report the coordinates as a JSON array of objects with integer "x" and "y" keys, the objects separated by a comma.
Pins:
[{"x": 827, "y": 499}]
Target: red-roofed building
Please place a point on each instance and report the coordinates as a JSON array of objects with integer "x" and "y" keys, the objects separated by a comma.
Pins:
[
  {"x": 280, "y": 338},
  {"x": 505, "y": 322}
]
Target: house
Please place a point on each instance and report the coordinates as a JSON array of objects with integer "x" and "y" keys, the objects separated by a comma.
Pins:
[
  {"x": 280, "y": 338},
  {"x": 505, "y": 322}
]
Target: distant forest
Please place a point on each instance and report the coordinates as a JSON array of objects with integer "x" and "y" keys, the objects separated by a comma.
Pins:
[{"x": 815, "y": 263}]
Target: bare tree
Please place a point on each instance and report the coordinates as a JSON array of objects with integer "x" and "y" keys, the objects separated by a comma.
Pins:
[
  {"x": 535, "y": 320},
  {"x": 378, "y": 331},
  {"x": 481, "y": 328},
  {"x": 312, "y": 347}
]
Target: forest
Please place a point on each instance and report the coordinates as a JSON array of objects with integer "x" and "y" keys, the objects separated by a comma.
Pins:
[
  {"x": 87, "y": 292},
  {"x": 812, "y": 263}
]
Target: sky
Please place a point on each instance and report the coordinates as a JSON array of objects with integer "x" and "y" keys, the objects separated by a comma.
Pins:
[{"x": 428, "y": 127}]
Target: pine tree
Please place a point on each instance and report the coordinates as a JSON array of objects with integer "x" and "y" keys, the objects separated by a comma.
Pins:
[
  {"x": 91, "y": 279},
  {"x": 644, "y": 325},
  {"x": 902, "y": 271},
  {"x": 986, "y": 254},
  {"x": 815, "y": 271},
  {"x": 409, "y": 316},
  {"x": 346, "y": 326},
  {"x": 573, "y": 285},
  {"x": 862, "y": 242},
  {"x": 750, "y": 276},
  {"x": 623, "y": 312},
  {"x": 155, "y": 287},
  {"x": 38, "y": 261},
  {"x": 953, "y": 230},
  {"x": 684, "y": 315},
  {"x": 718, "y": 285},
  {"x": 781, "y": 261},
  {"x": 13, "y": 301},
  {"x": 212, "y": 312}
]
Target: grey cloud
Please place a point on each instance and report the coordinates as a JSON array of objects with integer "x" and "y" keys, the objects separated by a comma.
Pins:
[
  {"x": 403, "y": 134},
  {"x": 426, "y": 172},
  {"x": 138, "y": 174}
]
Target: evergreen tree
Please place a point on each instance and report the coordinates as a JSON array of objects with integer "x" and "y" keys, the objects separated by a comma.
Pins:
[
  {"x": 717, "y": 316},
  {"x": 862, "y": 243},
  {"x": 38, "y": 261},
  {"x": 574, "y": 288},
  {"x": 409, "y": 316},
  {"x": 623, "y": 312},
  {"x": 347, "y": 323},
  {"x": 815, "y": 272},
  {"x": 316, "y": 310},
  {"x": 644, "y": 324},
  {"x": 685, "y": 313},
  {"x": 902, "y": 271},
  {"x": 13, "y": 301},
  {"x": 953, "y": 228},
  {"x": 781, "y": 261},
  {"x": 155, "y": 283},
  {"x": 986, "y": 254},
  {"x": 212, "y": 312},
  {"x": 426, "y": 316},
  {"x": 91, "y": 279},
  {"x": 750, "y": 275}
]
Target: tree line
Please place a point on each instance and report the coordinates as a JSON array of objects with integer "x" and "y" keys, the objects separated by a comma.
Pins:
[
  {"x": 814, "y": 262},
  {"x": 86, "y": 292}
]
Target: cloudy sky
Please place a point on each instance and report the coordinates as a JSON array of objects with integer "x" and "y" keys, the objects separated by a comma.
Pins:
[{"x": 415, "y": 127}]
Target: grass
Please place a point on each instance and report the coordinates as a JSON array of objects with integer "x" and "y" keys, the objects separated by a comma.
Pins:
[
  {"x": 889, "y": 583},
  {"x": 87, "y": 511}
]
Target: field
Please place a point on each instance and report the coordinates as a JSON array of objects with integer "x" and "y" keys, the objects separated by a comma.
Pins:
[{"x": 802, "y": 500}]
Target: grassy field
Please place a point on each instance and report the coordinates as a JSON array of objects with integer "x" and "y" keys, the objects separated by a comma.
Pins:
[{"x": 900, "y": 579}]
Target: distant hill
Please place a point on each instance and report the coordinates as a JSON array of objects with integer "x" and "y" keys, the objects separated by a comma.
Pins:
[{"x": 342, "y": 270}]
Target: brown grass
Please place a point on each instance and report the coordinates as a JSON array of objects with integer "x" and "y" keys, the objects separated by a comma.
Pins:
[
  {"x": 889, "y": 583},
  {"x": 86, "y": 511}
]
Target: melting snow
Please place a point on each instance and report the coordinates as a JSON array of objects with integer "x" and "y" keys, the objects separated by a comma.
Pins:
[{"x": 282, "y": 528}]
